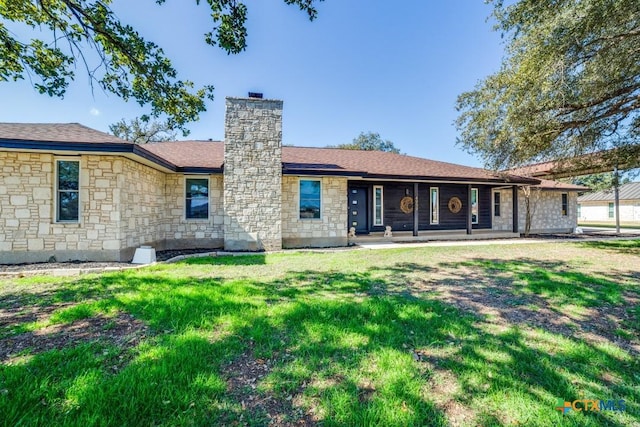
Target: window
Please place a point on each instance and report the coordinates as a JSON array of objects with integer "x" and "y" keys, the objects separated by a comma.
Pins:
[
  {"x": 565, "y": 204},
  {"x": 377, "y": 205},
  {"x": 310, "y": 199},
  {"x": 611, "y": 211},
  {"x": 579, "y": 210},
  {"x": 496, "y": 203},
  {"x": 67, "y": 190},
  {"x": 197, "y": 198},
  {"x": 474, "y": 205},
  {"x": 434, "y": 201}
]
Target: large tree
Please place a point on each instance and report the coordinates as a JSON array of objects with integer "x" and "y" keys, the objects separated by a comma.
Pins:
[
  {"x": 128, "y": 65},
  {"x": 603, "y": 181},
  {"x": 370, "y": 141},
  {"x": 569, "y": 84},
  {"x": 142, "y": 130}
]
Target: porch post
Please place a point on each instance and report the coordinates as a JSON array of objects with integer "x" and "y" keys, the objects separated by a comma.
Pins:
[
  {"x": 514, "y": 192},
  {"x": 415, "y": 209},
  {"x": 469, "y": 218}
]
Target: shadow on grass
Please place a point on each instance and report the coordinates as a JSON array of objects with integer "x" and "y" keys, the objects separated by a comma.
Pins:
[
  {"x": 257, "y": 259},
  {"x": 551, "y": 296},
  {"x": 340, "y": 345},
  {"x": 551, "y": 280},
  {"x": 631, "y": 247}
]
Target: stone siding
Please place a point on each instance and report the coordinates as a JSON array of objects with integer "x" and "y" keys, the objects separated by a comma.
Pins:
[
  {"x": 330, "y": 229},
  {"x": 28, "y": 230},
  {"x": 140, "y": 206},
  {"x": 193, "y": 233},
  {"x": 123, "y": 205},
  {"x": 547, "y": 212},
  {"x": 253, "y": 174},
  {"x": 504, "y": 222}
]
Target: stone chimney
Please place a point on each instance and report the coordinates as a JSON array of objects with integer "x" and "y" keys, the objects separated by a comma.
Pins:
[{"x": 253, "y": 174}]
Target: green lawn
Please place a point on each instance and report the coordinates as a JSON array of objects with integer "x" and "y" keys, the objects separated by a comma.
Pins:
[{"x": 483, "y": 335}]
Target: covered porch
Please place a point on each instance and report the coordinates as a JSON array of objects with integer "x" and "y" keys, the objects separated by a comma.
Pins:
[{"x": 422, "y": 211}]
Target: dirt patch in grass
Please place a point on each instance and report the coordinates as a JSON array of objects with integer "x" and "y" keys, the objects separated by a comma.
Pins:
[
  {"x": 443, "y": 388},
  {"x": 495, "y": 303},
  {"x": 16, "y": 313},
  {"x": 122, "y": 330},
  {"x": 15, "y": 268},
  {"x": 245, "y": 374}
]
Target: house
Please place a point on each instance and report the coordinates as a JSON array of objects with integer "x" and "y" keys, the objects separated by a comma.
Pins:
[
  {"x": 599, "y": 206},
  {"x": 73, "y": 193}
]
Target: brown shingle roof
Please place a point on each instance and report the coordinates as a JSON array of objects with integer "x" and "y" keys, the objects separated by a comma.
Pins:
[
  {"x": 194, "y": 154},
  {"x": 382, "y": 164},
  {"x": 330, "y": 161},
  {"x": 546, "y": 184},
  {"x": 627, "y": 157},
  {"x": 296, "y": 160},
  {"x": 55, "y": 132}
]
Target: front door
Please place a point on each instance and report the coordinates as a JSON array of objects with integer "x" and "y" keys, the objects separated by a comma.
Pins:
[{"x": 358, "y": 209}]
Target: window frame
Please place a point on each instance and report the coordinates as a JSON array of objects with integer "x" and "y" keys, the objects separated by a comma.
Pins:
[
  {"x": 611, "y": 210},
  {"x": 475, "y": 190},
  {"x": 300, "y": 180},
  {"x": 497, "y": 204},
  {"x": 58, "y": 191},
  {"x": 564, "y": 204},
  {"x": 375, "y": 218},
  {"x": 200, "y": 177},
  {"x": 435, "y": 221}
]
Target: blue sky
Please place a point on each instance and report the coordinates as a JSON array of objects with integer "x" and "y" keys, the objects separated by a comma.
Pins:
[{"x": 394, "y": 68}]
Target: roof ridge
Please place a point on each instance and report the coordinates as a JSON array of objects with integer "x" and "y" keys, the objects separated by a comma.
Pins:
[
  {"x": 183, "y": 140},
  {"x": 386, "y": 153}
]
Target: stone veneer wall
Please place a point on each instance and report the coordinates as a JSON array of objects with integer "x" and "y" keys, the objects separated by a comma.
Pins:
[
  {"x": 141, "y": 205},
  {"x": 253, "y": 174},
  {"x": 28, "y": 231},
  {"x": 123, "y": 204},
  {"x": 504, "y": 222},
  {"x": 200, "y": 233},
  {"x": 547, "y": 217},
  {"x": 330, "y": 229}
]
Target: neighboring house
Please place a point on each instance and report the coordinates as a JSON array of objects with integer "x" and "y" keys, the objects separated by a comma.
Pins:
[
  {"x": 73, "y": 193},
  {"x": 599, "y": 206}
]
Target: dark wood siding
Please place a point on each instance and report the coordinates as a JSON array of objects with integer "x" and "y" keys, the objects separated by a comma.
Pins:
[
  {"x": 393, "y": 215},
  {"x": 400, "y": 221},
  {"x": 484, "y": 197},
  {"x": 448, "y": 219}
]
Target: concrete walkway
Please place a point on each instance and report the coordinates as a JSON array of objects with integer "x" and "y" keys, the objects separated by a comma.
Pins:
[
  {"x": 519, "y": 241},
  {"x": 608, "y": 230}
]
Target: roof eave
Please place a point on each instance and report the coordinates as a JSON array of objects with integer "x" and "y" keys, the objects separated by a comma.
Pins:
[
  {"x": 199, "y": 170},
  {"x": 366, "y": 175},
  {"x": 91, "y": 147}
]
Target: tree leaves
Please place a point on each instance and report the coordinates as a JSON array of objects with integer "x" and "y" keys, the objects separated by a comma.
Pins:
[
  {"x": 370, "y": 141},
  {"x": 569, "y": 83},
  {"x": 142, "y": 130},
  {"x": 127, "y": 65}
]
